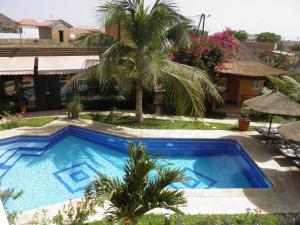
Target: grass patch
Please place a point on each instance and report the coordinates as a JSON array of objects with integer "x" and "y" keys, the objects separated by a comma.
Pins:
[
  {"x": 31, "y": 122},
  {"x": 128, "y": 121},
  {"x": 243, "y": 219}
]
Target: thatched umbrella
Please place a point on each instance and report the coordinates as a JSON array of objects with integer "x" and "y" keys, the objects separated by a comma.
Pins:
[
  {"x": 274, "y": 103},
  {"x": 290, "y": 131}
]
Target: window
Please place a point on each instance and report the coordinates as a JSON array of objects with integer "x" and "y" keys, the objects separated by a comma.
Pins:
[{"x": 255, "y": 84}]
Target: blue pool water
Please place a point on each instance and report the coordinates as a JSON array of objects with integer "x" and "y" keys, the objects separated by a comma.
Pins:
[{"x": 56, "y": 168}]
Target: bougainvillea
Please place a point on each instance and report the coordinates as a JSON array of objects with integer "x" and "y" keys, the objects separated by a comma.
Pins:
[{"x": 208, "y": 52}]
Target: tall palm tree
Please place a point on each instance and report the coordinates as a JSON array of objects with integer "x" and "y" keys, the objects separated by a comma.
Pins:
[
  {"x": 140, "y": 59},
  {"x": 143, "y": 188}
]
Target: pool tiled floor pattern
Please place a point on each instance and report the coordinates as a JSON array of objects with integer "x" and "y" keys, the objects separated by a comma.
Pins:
[
  {"x": 76, "y": 177},
  {"x": 283, "y": 197}
]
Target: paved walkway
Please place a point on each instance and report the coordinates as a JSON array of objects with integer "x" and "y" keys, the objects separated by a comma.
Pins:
[
  {"x": 282, "y": 197},
  {"x": 63, "y": 113}
]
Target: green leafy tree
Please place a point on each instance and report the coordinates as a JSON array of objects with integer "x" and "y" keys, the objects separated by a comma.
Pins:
[
  {"x": 138, "y": 192},
  {"x": 140, "y": 61},
  {"x": 241, "y": 35},
  {"x": 268, "y": 37}
]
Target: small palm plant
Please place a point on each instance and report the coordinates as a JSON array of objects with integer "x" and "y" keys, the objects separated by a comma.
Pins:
[{"x": 137, "y": 193}]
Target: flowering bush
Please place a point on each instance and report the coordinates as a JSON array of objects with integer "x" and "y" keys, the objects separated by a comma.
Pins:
[{"x": 208, "y": 52}]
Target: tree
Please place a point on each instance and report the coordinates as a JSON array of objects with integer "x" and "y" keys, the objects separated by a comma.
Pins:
[
  {"x": 141, "y": 61},
  {"x": 241, "y": 35},
  {"x": 138, "y": 192},
  {"x": 268, "y": 37}
]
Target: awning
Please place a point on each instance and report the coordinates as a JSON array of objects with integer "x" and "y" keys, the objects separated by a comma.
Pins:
[
  {"x": 46, "y": 65},
  {"x": 60, "y": 65},
  {"x": 16, "y": 66}
]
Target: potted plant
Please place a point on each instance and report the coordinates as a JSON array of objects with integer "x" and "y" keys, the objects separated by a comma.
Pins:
[
  {"x": 244, "y": 120},
  {"x": 74, "y": 108}
]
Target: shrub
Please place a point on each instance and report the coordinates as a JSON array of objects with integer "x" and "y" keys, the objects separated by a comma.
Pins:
[
  {"x": 103, "y": 102},
  {"x": 207, "y": 52},
  {"x": 8, "y": 106},
  {"x": 74, "y": 108},
  {"x": 296, "y": 47}
]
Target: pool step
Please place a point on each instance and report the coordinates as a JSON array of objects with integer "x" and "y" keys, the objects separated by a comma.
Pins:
[
  {"x": 3, "y": 170},
  {"x": 8, "y": 154},
  {"x": 11, "y": 161},
  {"x": 11, "y": 153}
]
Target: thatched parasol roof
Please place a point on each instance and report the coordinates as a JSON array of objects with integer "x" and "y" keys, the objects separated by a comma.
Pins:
[
  {"x": 275, "y": 103},
  {"x": 290, "y": 131}
]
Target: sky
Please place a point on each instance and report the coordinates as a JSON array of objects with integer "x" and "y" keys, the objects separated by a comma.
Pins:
[{"x": 254, "y": 16}]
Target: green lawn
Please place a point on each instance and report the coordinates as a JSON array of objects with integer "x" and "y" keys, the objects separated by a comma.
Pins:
[
  {"x": 128, "y": 121},
  {"x": 32, "y": 122},
  {"x": 241, "y": 219}
]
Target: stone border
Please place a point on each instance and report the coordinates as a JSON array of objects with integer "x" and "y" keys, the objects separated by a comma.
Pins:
[{"x": 54, "y": 126}]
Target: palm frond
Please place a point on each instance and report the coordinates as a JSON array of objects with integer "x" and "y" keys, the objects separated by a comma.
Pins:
[
  {"x": 115, "y": 11},
  {"x": 187, "y": 88},
  {"x": 96, "y": 39},
  {"x": 102, "y": 189},
  {"x": 287, "y": 85},
  {"x": 138, "y": 193},
  {"x": 166, "y": 24}
]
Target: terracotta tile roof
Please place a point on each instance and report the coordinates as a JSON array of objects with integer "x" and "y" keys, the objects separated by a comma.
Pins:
[
  {"x": 29, "y": 22},
  {"x": 52, "y": 23},
  {"x": 78, "y": 31}
]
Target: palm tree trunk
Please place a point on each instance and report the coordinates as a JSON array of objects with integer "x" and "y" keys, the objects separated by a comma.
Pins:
[{"x": 139, "y": 103}]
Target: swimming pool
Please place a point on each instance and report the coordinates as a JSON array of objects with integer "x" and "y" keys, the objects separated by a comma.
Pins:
[{"x": 56, "y": 168}]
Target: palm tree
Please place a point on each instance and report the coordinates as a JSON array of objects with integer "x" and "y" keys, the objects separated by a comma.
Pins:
[
  {"x": 141, "y": 60},
  {"x": 137, "y": 193}
]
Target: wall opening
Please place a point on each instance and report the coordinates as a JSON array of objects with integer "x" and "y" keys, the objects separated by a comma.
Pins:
[{"x": 61, "y": 36}]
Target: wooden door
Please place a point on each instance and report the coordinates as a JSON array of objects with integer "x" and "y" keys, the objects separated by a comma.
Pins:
[{"x": 232, "y": 90}]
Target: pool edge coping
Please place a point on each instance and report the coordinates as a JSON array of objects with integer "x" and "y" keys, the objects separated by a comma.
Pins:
[{"x": 238, "y": 192}]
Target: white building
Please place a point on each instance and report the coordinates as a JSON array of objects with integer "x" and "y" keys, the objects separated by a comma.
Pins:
[
  {"x": 29, "y": 29},
  {"x": 26, "y": 29}
]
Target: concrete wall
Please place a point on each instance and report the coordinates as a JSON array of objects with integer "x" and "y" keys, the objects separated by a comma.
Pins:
[
  {"x": 241, "y": 90},
  {"x": 15, "y": 36},
  {"x": 113, "y": 31},
  {"x": 45, "y": 33},
  {"x": 55, "y": 35},
  {"x": 117, "y": 32},
  {"x": 30, "y": 30},
  {"x": 246, "y": 90}
]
